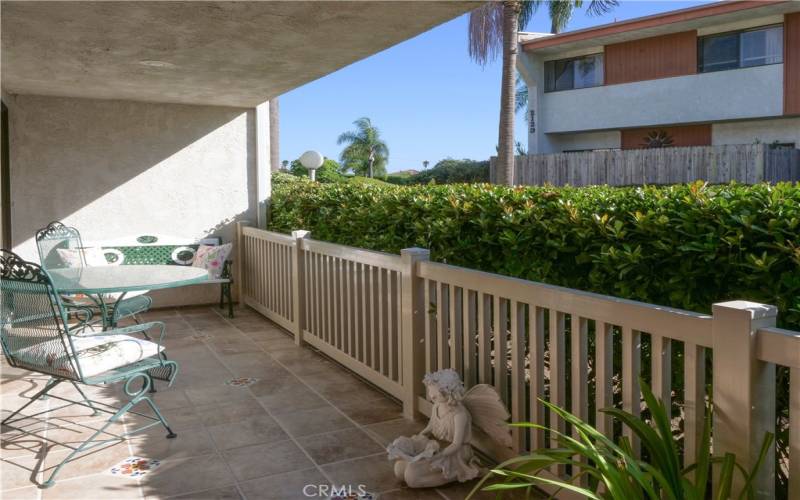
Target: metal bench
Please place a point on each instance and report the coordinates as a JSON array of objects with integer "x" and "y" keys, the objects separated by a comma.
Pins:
[{"x": 165, "y": 250}]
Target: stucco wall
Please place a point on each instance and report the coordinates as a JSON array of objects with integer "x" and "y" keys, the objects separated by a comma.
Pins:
[
  {"x": 724, "y": 95},
  {"x": 584, "y": 140},
  {"x": 121, "y": 168},
  {"x": 784, "y": 130}
]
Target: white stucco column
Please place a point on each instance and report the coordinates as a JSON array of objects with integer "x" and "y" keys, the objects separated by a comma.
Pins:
[{"x": 263, "y": 169}]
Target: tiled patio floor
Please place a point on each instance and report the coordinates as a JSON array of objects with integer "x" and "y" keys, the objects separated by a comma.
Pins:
[{"x": 303, "y": 421}]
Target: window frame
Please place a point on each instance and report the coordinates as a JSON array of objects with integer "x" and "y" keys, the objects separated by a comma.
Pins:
[
  {"x": 701, "y": 39},
  {"x": 572, "y": 59}
]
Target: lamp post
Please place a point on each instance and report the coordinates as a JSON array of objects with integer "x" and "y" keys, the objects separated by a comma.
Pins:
[{"x": 312, "y": 160}]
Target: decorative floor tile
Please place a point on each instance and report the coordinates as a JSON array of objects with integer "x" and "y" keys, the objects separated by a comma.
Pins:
[
  {"x": 355, "y": 496},
  {"x": 241, "y": 381},
  {"x": 134, "y": 467}
]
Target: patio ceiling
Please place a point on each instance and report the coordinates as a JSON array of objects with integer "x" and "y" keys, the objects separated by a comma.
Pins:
[{"x": 216, "y": 53}]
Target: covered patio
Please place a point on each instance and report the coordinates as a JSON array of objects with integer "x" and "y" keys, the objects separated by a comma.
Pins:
[
  {"x": 256, "y": 417},
  {"x": 136, "y": 119}
]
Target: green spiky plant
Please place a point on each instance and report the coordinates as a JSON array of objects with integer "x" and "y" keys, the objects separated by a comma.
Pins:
[{"x": 612, "y": 469}]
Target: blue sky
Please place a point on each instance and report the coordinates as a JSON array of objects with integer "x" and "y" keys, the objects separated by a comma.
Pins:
[{"x": 429, "y": 100}]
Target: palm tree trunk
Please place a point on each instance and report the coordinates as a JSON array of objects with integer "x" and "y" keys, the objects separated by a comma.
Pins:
[
  {"x": 371, "y": 162},
  {"x": 505, "y": 154}
]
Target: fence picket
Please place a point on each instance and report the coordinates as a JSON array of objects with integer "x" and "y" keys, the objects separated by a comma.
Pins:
[
  {"x": 746, "y": 163},
  {"x": 631, "y": 370}
]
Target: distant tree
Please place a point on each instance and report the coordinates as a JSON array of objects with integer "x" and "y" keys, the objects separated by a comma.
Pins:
[
  {"x": 285, "y": 165},
  {"x": 448, "y": 171},
  {"x": 366, "y": 153},
  {"x": 425, "y": 164},
  {"x": 327, "y": 173}
]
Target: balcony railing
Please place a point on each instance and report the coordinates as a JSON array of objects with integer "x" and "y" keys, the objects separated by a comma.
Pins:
[{"x": 391, "y": 319}]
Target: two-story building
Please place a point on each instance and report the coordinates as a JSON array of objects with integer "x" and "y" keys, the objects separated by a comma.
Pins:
[{"x": 723, "y": 73}]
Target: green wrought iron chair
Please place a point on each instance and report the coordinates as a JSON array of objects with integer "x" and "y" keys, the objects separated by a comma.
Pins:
[
  {"x": 35, "y": 336},
  {"x": 58, "y": 236}
]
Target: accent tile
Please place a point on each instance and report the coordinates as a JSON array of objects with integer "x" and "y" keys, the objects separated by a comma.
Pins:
[
  {"x": 134, "y": 467},
  {"x": 241, "y": 381}
]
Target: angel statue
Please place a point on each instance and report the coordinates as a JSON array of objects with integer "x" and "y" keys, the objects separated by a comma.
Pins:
[{"x": 442, "y": 453}]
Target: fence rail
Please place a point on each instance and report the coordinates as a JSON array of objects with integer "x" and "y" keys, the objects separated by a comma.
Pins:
[
  {"x": 392, "y": 318},
  {"x": 745, "y": 163}
]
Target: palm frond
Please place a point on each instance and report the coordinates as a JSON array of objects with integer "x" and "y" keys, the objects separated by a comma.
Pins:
[
  {"x": 527, "y": 9},
  {"x": 521, "y": 96},
  {"x": 561, "y": 13},
  {"x": 486, "y": 32},
  {"x": 347, "y": 137},
  {"x": 600, "y": 7}
]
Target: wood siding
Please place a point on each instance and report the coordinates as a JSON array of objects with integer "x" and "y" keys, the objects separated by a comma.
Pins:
[
  {"x": 651, "y": 58},
  {"x": 791, "y": 66},
  {"x": 688, "y": 135},
  {"x": 648, "y": 22}
]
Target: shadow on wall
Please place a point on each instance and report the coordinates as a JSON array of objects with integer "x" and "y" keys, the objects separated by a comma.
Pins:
[{"x": 120, "y": 168}]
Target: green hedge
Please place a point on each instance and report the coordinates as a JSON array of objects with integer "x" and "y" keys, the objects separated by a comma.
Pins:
[{"x": 684, "y": 246}]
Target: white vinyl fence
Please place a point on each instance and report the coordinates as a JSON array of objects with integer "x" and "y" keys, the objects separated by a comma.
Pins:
[{"x": 392, "y": 318}]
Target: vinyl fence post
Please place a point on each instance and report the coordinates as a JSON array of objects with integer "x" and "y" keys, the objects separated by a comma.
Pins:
[
  {"x": 413, "y": 325},
  {"x": 744, "y": 388},
  {"x": 298, "y": 285},
  {"x": 238, "y": 264}
]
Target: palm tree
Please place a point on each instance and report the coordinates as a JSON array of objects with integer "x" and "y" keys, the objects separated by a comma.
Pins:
[
  {"x": 493, "y": 28},
  {"x": 365, "y": 153}
]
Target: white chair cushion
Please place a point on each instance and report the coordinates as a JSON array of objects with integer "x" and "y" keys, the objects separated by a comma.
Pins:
[
  {"x": 71, "y": 257},
  {"x": 96, "y": 354}
]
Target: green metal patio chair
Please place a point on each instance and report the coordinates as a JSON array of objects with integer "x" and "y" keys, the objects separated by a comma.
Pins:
[
  {"x": 35, "y": 336},
  {"x": 58, "y": 236}
]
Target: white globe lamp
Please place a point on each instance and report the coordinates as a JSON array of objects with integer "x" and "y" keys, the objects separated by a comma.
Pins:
[{"x": 311, "y": 160}]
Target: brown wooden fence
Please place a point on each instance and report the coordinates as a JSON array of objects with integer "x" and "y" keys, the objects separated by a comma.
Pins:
[{"x": 746, "y": 163}]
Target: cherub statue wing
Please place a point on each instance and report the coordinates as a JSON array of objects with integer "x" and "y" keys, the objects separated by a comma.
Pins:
[{"x": 488, "y": 412}]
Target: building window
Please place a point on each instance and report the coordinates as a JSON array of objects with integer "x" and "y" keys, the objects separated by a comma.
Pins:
[
  {"x": 575, "y": 73},
  {"x": 740, "y": 49}
]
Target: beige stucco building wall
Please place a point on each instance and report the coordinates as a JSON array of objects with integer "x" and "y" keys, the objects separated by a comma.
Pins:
[{"x": 122, "y": 168}]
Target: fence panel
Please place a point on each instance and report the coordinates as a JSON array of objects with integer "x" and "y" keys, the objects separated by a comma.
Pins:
[
  {"x": 391, "y": 318},
  {"x": 745, "y": 163},
  {"x": 531, "y": 340},
  {"x": 782, "y": 347},
  {"x": 353, "y": 310},
  {"x": 267, "y": 275}
]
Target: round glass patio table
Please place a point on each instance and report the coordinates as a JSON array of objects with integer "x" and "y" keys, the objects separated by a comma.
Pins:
[
  {"x": 115, "y": 279},
  {"x": 95, "y": 282}
]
